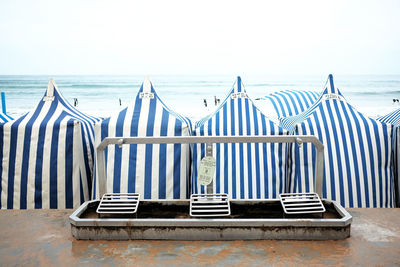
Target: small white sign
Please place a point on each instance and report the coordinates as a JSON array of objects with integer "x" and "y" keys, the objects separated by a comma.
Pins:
[
  {"x": 206, "y": 170},
  {"x": 146, "y": 95},
  {"x": 239, "y": 95},
  {"x": 333, "y": 97}
]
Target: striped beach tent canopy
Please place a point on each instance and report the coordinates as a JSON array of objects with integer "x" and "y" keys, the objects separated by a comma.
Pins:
[
  {"x": 159, "y": 171},
  {"x": 357, "y": 154},
  {"x": 394, "y": 119},
  {"x": 291, "y": 102},
  {"x": 244, "y": 171},
  {"x": 47, "y": 156}
]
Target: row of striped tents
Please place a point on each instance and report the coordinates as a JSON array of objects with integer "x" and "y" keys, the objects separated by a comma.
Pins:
[
  {"x": 47, "y": 156},
  {"x": 394, "y": 119},
  {"x": 3, "y": 115},
  {"x": 357, "y": 157},
  {"x": 158, "y": 171},
  {"x": 291, "y": 102},
  {"x": 244, "y": 171}
]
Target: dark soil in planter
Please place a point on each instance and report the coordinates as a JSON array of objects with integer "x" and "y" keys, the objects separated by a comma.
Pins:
[{"x": 239, "y": 210}]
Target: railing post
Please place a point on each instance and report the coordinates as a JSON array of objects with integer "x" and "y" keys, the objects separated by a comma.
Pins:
[
  {"x": 209, "y": 152},
  {"x": 101, "y": 167},
  {"x": 319, "y": 172}
]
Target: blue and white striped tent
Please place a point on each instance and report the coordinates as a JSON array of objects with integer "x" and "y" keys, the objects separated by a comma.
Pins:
[
  {"x": 244, "y": 171},
  {"x": 357, "y": 157},
  {"x": 291, "y": 102},
  {"x": 154, "y": 171},
  {"x": 4, "y": 117},
  {"x": 394, "y": 119},
  {"x": 46, "y": 156}
]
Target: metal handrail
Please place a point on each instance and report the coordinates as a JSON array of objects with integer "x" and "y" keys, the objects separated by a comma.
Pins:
[{"x": 299, "y": 139}]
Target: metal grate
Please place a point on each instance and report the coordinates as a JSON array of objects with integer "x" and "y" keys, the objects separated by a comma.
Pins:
[
  {"x": 209, "y": 205},
  {"x": 299, "y": 203},
  {"x": 119, "y": 203}
]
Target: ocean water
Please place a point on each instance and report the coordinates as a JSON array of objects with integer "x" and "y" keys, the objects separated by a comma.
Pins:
[{"x": 101, "y": 95}]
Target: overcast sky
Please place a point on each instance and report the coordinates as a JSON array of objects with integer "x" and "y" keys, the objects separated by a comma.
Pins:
[{"x": 199, "y": 37}]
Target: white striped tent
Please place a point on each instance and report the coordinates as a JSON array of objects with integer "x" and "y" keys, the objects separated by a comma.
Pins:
[
  {"x": 46, "y": 156},
  {"x": 159, "y": 171},
  {"x": 357, "y": 154},
  {"x": 394, "y": 119},
  {"x": 244, "y": 171},
  {"x": 291, "y": 102}
]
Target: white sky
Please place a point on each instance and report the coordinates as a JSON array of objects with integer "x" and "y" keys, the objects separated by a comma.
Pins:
[{"x": 199, "y": 37}]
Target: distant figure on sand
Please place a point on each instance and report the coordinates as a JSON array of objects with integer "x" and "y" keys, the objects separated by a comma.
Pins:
[
  {"x": 205, "y": 102},
  {"x": 216, "y": 100}
]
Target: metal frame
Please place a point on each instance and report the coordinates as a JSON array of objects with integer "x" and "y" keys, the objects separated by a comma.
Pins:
[{"x": 299, "y": 139}]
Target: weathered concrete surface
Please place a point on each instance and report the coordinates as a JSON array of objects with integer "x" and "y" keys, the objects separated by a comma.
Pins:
[{"x": 43, "y": 238}]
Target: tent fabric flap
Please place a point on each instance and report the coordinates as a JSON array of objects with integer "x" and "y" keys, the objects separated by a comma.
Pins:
[{"x": 291, "y": 102}]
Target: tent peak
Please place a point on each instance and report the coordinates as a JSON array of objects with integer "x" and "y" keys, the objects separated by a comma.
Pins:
[
  {"x": 50, "y": 87},
  {"x": 330, "y": 86},
  {"x": 238, "y": 86},
  {"x": 50, "y": 90},
  {"x": 146, "y": 91},
  {"x": 147, "y": 85}
]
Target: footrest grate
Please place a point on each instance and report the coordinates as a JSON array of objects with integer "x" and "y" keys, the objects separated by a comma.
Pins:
[
  {"x": 298, "y": 203},
  {"x": 119, "y": 203},
  {"x": 209, "y": 205}
]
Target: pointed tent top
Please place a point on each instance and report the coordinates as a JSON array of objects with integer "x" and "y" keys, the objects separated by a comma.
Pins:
[
  {"x": 53, "y": 94},
  {"x": 330, "y": 86},
  {"x": 238, "y": 86},
  {"x": 147, "y": 85},
  {"x": 329, "y": 93},
  {"x": 50, "y": 88},
  {"x": 236, "y": 93},
  {"x": 146, "y": 91}
]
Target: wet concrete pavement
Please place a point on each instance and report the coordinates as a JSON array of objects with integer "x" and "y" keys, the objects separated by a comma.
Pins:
[{"x": 43, "y": 238}]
